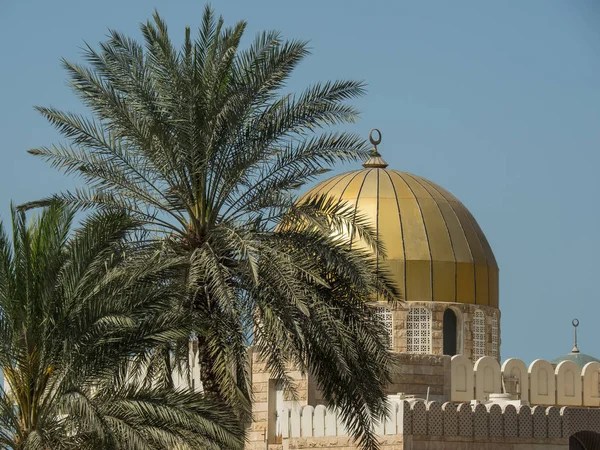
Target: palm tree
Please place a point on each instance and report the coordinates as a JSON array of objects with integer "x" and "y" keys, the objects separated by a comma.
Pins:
[
  {"x": 202, "y": 146},
  {"x": 71, "y": 318}
]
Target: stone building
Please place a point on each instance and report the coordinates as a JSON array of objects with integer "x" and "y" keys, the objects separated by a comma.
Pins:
[{"x": 451, "y": 390}]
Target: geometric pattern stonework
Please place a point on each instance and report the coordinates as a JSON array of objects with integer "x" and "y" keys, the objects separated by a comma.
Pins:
[
  {"x": 480, "y": 421},
  {"x": 495, "y": 338},
  {"x": 419, "y": 416},
  {"x": 385, "y": 316},
  {"x": 418, "y": 330},
  {"x": 450, "y": 419},
  {"x": 511, "y": 423},
  {"x": 525, "y": 422},
  {"x": 478, "y": 335},
  {"x": 435, "y": 419},
  {"x": 496, "y": 421}
]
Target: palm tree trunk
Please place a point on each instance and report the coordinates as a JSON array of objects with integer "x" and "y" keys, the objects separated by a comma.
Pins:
[{"x": 207, "y": 376}]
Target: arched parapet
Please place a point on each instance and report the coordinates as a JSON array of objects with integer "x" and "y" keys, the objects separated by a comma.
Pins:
[
  {"x": 487, "y": 378},
  {"x": 306, "y": 421},
  {"x": 450, "y": 419},
  {"x": 525, "y": 422},
  {"x": 575, "y": 420},
  {"x": 465, "y": 420},
  {"x": 511, "y": 421},
  {"x": 568, "y": 384},
  {"x": 584, "y": 440},
  {"x": 319, "y": 421},
  {"x": 462, "y": 379},
  {"x": 554, "y": 421},
  {"x": 542, "y": 385},
  {"x": 379, "y": 426},
  {"x": 330, "y": 422},
  {"x": 540, "y": 422},
  {"x": 515, "y": 378},
  {"x": 480, "y": 420},
  {"x": 435, "y": 419},
  {"x": 284, "y": 417},
  {"x": 341, "y": 426},
  {"x": 295, "y": 422},
  {"x": 407, "y": 421},
  {"x": 496, "y": 422},
  {"x": 391, "y": 419},
  {"x": 419, "y": 418},
  {"x": 591, "y": 384},
  {"x": 567, "y": 428}
]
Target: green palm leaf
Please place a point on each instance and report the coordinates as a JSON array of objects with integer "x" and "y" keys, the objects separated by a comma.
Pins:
[{"x": 78, "y": 309}]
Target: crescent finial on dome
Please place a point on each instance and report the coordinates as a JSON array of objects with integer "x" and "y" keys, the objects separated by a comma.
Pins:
[
  {"x": 375, "y": 160},
  {"x": 575, "y": 324}
]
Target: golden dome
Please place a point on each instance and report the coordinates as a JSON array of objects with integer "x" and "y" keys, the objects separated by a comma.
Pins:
[{"x": 435, "y": 250}]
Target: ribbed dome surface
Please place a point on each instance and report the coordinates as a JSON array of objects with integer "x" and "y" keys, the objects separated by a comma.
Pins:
[{"x": 435, "y": 249}]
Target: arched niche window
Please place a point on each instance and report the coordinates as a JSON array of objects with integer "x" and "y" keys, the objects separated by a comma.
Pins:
[
  {"x": 478, "y": 326},
  {"x": 584, "y": 440},
  {"x": 418, "y": 330},
  {"x": 385, "y": 316},
  {"x": 450, "y": 332}
]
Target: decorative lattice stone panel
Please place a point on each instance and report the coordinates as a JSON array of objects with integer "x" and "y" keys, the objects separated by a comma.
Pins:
[
  {"x": 554, "y": 422},
  {"x": 418, "y": 330},
  {"x": 480, "y": 421},
  {"x": 496, "y": 422},
  {"x": 511, "y": 422},
  {"x": 540, "y": 422},
  {"x": 435, "y": 419},
  {"x": 465, "y": 420},
  {"x": 419, "y": 418},
  {"x": 478, "y": 335},
  {"x": 525, "y": 422},
  {"x": 495, "y": 338},
  {"x": 385, "y": 316},
  {"x": 450, "y": 419}
]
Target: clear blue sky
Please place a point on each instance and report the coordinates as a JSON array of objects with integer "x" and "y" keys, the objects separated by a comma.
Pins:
[{"x": 499, "y": 102}]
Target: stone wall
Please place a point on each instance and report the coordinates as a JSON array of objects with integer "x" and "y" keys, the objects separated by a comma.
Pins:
[
  {"x": 432, "y": 426},
  {"x": 465, "y": 420},
  {"x": 461, "y": 443},
  {"x": 464, "y": 313},
  {"x": 343, "y": 443},
  {"x": 414, "y": 374},
  {"x": 430, "y": 443},
  {"x": 264, "y": 406}
]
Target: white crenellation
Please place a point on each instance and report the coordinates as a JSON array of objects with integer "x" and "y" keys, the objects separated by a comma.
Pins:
[
  {"x": 487, "y": 378},
  {"x": 461, "y": 379},
  {"x": 319, "y": 421},
  {"x": 515, "y": 378},
  {"x": 568, "y": 384},
  {"x": 539, "y": 384},
  {"x": 590, "y": 377},
  {"x": 331, "y": 422},
  {"x": 542, "y": 383}
]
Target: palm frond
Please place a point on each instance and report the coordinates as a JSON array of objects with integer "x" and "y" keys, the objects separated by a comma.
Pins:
[{"x": 203, "y": 149}]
